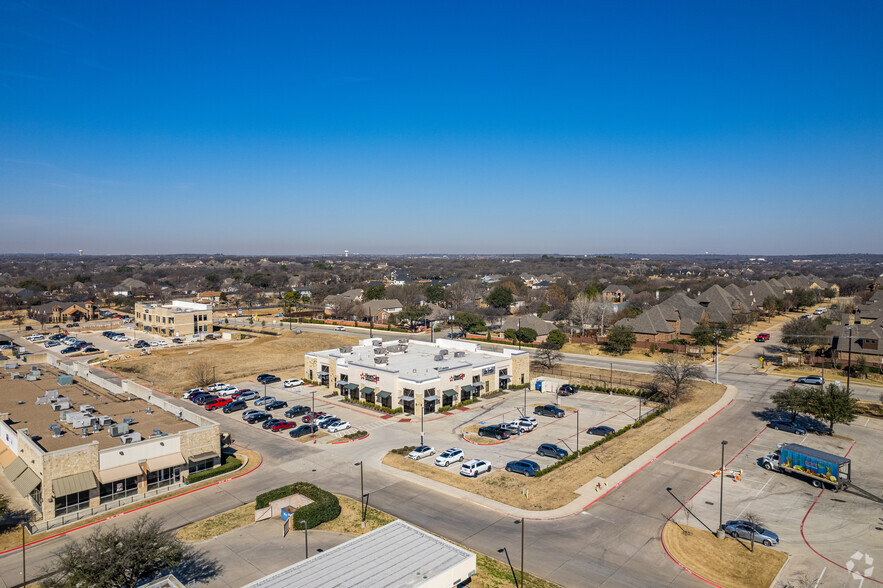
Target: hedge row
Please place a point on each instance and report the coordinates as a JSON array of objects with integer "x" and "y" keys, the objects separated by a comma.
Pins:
[
  {"x": 231, "y": 464},
  {"x": 621, "y": 391},
  {"x": 372, "y": 406},
  {"x": 459, "y": 404},
  {"x": 601, "y": 441},
  {"x": 325, "y": 506}
]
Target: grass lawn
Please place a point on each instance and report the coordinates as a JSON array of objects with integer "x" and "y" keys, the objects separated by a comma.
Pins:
[
  {"x": 218, "y": 524},
  {"x": 557, "y": 488},
  {"x": 728, "y": 562}
]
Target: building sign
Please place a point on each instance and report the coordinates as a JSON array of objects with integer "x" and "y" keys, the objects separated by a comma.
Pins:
[
  {"x": 369, "y": 377},
  {"x": 488, "y": 371},
  {"x": 457, "y": 377}
]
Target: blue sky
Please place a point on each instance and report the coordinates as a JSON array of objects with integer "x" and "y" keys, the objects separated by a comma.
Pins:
[{"x": 567, "y": 127}]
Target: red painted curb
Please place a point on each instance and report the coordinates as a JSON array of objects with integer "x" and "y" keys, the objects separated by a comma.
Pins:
[
  {"x": 137, "y": 508},
  {"x": 350, "y": 440}
]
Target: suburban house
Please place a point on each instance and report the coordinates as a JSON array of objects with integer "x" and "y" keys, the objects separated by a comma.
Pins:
[
  {"x": 128, "y": 287},
  {"x": 659, "y": 324},
  {"x": 866, "y": 343},
  {"x": 616, "y": 293},
  {"x": 691, "y": 313},
  {"x": 529, "y": 321},
  {"x": 335, "y": 302},
  {"x": 209, "y": 297},
  {"x": 379, "y": 310},
  {"x": 65, "y": 312}
]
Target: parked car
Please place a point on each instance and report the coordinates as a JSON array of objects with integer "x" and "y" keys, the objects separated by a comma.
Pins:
[
  {"x": 260, "y": 377},
  {"x": 247, "y": 395},
  {"x": 141, "y": 344},
  {"x": 296, "y": 411},
  {"x": 311, "y": 417},
  {"x": 52, "y": 344},
  {"x": 303, "y": 430},
  {"x": 743, "y": 530},
  {"x": 265, "y": 400},
  {"x": 270, "y": 422},
  {"x": 787, "y": 427},
  {"x": 67, "y": 350},
  {"x": 229, "y": 391},
  {"x": 812, "y": 380},
  {"x": 761, "y": 337},
  {"x": 283, "y": 425},
  {"x": 421, "y": 452},
  {"x": 216, "y": 386},
  {"x": 566, "y": 390},
  {"x": 523, "y": 466},
  {"x": 292, "y": 383},
  {"x": 514, "y": 427},
  {"x": 250, "y": 412},
  {"x": 276, "y": 405},
  {"x": 449, "y": 456},
  {"x": 91, "y": 349},
  {"x": 340, "y": 328},
  {"x": 257, "y": 417},
  {"x": 601, "y": 430},
  {"x": 192, "y": 392},
  {"x": 219, "y": 403},
  {"x": 328, "y": 422},
  {"x": 474, "y": 467},
  {"x": 495, "y": 431},
  {"x": 338, "y": 426},
  {"x": 196, "y": 395},
  {"x": 270, "y": 380},
  {"x": 551, "y": 450},
  {"x": 235, "y": 405},
  {"x": 323, "y": 417},
  {"x": 205, "y": 399},
  {"x": 549, "y": 410},
  {"x": 528, "y": 423},
  {"x": 177, "y": 340}
]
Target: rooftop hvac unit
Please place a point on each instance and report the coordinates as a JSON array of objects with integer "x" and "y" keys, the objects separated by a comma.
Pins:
[
  {"x": 118, "y": 430},
  {"x": 83, "y": 421},
  {"x": 87, "y": 408},
  {"x": 459, "y": 354},
  {"x": 381, "y": 359},
  {"x": 443, "y": 352},
  {"x": 69, "y": 416},
  {"x": 129, "y": 420},
  {"x": 404, "y": 341},
  {"x": 95, "y": 427},
  {"x": 32, "y": 377},
  {"x": 438, "y": 357},
  {"x": 62, "y": 404},
  {"x": 374, "y": 342},
  {"x": 64, "y": 379},
  {"x": 56, "y": 430},
  {"x": 130, "y": 438},
  {"x": 105, "y": 421},
  {"x": 346, "y": 349}
]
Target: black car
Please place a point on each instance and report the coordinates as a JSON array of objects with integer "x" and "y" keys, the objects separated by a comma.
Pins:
[
  {"x": 235, "y": 405},
  {"x": 328, "y": 422},
  {"x": 601, "y": 431},
  {"x": 566, "y": 390},
  {"x": 141, "y": 345},
  {"x": 276, "y": 404},
  {"x": 303, "y": 430},
  {"x": 551, "y": 450},
  {"x": 90, "y": 349},
  {"x": 268, "y": 379},
  {"x": 296, "y": 411},
  {"x": 262, "y": 376},
  {"x": 549, "y": 410},
  {"x": 257, "y": 417},
  {"x": 177, "y": 340},
  {"x": 495, "y": 431},
  {"x": 197, "y": 396},
  {"x": 67, "y": 350},
  {"x": 270, "y": 422},
  {"x": 204, "y": 399},
  {"x": 787, "y": 427}
]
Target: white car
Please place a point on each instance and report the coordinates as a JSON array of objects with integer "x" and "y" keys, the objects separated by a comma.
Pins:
[
  {"x": 421, "y": 452},
  {"x": 474, "y": 467},
  {"x": 228, "y": 391},
  {"x": 325, "y": 417},
  {"x": 292, "y": 383},
  {"x": 449, "y": 456},
  {"x": 216, "y": 387},
  {"x": 340, "y": 328},
  {"x": 341, "y": 426},
  {"x": 162, "y": 342},
  {"x": 192, "y": 392},
  {"x": 528, "y": 423}
]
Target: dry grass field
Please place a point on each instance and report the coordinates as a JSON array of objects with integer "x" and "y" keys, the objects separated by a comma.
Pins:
[
  {"x": 171, "y": 370},
  {"x": 728, "y": 563},
  {"x": 557, "y": 488}
]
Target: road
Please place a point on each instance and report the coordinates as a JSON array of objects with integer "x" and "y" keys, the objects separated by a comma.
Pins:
[{"x": 614, "y": 543}]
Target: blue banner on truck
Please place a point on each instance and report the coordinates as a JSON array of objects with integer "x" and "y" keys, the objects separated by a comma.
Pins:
[{"x": 816, "y": 465}]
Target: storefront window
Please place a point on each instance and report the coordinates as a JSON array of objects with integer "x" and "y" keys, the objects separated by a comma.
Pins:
[
  {"x": 119, "y": 489},
  {"x": 71, "y": 503},
  {"x": 162, "y": 478}
]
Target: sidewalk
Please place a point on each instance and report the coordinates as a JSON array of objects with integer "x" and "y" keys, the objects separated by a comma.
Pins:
[{"x": 588, "y": 492}]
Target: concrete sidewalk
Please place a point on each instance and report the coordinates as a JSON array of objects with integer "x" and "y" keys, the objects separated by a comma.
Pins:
[{"x": 590, "y": 492}]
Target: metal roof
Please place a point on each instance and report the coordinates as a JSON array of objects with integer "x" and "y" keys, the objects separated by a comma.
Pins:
[
  {"x": 410, "y": 558},
  {"x": 74, "y": 483},
  {"x": 27, "y": 481},
  {"x": 15, "y": 469}
]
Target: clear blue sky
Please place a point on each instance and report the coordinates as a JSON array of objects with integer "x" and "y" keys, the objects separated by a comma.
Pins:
[{"x": 379, "y": 127}]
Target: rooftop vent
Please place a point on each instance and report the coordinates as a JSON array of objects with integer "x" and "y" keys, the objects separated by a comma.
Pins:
[
  {"x": 56, "y": 430},
  {"x": 404, "y": 341},
  {"x": 376, "y": 342},
  {"x": 129, "y": 420},
  {"x": 346, "y": 349},
  {"x": 439, "y": 357},
  {"x": 443, "y": 352},
  {"x": 158, "y": 433},
  {"x": 85, "y": 432},
  {"x": 148, "y": 410},
  {"x": 381, "y": 359},
  {"x": 459, "y": 354}
]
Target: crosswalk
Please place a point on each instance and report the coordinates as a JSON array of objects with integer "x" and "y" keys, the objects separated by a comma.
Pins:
[{"x": 367, "y": 427}]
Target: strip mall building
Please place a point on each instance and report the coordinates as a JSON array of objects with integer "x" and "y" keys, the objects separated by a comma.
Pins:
[{"x": 410, "y": 374}]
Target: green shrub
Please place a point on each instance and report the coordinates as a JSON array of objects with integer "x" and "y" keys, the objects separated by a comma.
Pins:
[
  {"x": 404, "y": 450},
  {"x": 231, "y": 464},
  {"x": 372, "y": 406},
  {"x": 325, "y": 506}
]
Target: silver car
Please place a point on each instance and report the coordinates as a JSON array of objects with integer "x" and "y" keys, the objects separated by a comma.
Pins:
[{"x": 743, "y": 529}]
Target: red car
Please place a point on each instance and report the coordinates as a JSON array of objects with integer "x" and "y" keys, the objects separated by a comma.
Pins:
[
  {"x": 761, "y": 337},
  {"x": 311, "y": 417},
  {"x": 219, "y": 403},
  {"x": 282, "y": 426}
]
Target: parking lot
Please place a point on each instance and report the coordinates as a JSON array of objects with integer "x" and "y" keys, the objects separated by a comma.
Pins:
[{"x": 839, "y": 525}]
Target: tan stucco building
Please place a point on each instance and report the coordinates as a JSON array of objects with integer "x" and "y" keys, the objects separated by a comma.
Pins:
[
  {"x": 410, "y": 374},
  {"x": 178, "y": 319}
]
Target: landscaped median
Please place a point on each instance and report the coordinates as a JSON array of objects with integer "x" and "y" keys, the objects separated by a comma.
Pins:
[
  {"x": 558, "y": 485},
  {"x": 728, "y": 562}
]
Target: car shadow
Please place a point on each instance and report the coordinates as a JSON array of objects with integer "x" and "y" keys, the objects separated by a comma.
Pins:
[{"x": 809, "y": 423}]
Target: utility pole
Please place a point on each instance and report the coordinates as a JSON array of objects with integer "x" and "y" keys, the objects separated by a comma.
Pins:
[
  {"x": 306, "y": 541},
  {"x": 716, "y": 334},
  {"x": 362, "y": 476},
  {"x": 720, "y": 531},
  {"x": 849, "y": 355},
  {"x": 24, "y": 580},
  {"x": 577, "y": 436},
  {"x": 522, "y": 550},
  {"x": 422, "y": 410}
]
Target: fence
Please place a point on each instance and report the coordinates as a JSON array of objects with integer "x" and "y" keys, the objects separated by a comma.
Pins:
[{"x": 579, "y": 377}]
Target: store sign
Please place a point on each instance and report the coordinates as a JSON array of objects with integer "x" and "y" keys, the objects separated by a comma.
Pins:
[
  {"x": 369, "y": 377},
  {"x": 457, "y": 377},
  {"x": 489, "y": 371}
]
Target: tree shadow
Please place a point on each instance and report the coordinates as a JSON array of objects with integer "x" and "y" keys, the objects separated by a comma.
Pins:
[
  {"x": 14, "y": 518},
  {"x": 809, "y": 423},
  {"x": 198, "y": 568}
]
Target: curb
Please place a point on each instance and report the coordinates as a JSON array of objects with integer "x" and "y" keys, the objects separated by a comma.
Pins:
[{"x": 350, "y": 440}]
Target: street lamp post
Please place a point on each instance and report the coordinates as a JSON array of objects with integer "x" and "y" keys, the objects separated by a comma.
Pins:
[
  {"x": 716, "y": 333},
  {"x": 848, "y": 358},
  {"x": 306, "y": 540},
  {"x": 362, "y": 476},
  {"x": 313, "y": 417},
  {"x": 422, "y": 410},
  {"x": 521, "y": 522},
  {"x": 720, "y": 529},
  {"x": 518, "y": 334}
]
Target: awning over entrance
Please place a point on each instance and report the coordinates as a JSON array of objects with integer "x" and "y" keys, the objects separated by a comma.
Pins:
[
  {"x": 340, "y": 382},
  {"x": 75, "y": 483},
  {"x": 430, "y": 398},
  {"x": 467, "y": 388},
  {"x": 351, "y": 386},
  {"x": 166, "y": 461},
  {"x": 367, "y": 390},
  {"x": 7, "y": 457},
  {"x": 505, "y": 377},
  {"x": 15, "y": 469},
  {"x": 203, "y": 456},
  {"x": 449, "y": 393},
  {"x": 27, "y": 481},
  {"x": 384, "y": 394},
  {"x": 130, "y": 470}
]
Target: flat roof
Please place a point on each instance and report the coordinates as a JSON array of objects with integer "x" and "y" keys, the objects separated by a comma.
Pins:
[
  {"x": 420, "y": 356},
  {"x": 395, "y": 555},
  {"x": 37, "y": 418}
]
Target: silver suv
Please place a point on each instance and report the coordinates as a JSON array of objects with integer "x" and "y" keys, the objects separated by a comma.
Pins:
[{"x": 449, "y": 456}]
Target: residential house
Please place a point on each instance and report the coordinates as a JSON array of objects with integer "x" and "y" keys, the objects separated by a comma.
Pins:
[
  {"x": 529, "y": 321},
  {"x": 691, "y": 313},
  {"x": 616, "y": 293},
  {"x": 866, "y": 342},
  {"x": 658, "y": 324},
  {"x": 65, "y": 312},
  {"x": 380, "y": 310}
]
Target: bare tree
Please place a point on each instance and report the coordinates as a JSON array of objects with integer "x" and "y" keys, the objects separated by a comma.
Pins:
[
  {"x": 677, "y": 374},
  {"x": 754, "y": 520},
  {"x": 581, "y": 312},
  {"x": 548, "y": 355},
  {"x": 599, "y": 312},
  {"x": 19, "y": 320},
  {"x": 202, "y": 372}
]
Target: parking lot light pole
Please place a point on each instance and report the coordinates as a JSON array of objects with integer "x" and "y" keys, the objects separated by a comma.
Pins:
[
  {"x": 716, "y": 353},
  {"x": 720, "y": 532},
  {"x": 521, "y": 522},
  {"x": 306, "y": 541},
  {"x": 422, "y": 410},
  {"x": 313, "y": 417},
  {"x": 362, "y": 476},
  {"x": 577, "y": 431}
]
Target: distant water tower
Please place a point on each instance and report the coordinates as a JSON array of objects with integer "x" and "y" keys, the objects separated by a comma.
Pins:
[
  {"x": 346, "y": 252},
  {"x": 81, "y": 252}
]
